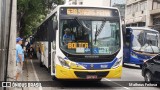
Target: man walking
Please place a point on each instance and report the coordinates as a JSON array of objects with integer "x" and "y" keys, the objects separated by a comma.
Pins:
[{"x": 19, "y": 57}]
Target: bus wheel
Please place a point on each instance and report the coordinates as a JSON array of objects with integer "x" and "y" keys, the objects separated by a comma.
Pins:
[{"x": 148, "y": 77}]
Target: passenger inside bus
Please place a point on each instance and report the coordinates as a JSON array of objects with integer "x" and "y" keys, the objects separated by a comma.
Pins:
[{"x": 68, "y": 36}]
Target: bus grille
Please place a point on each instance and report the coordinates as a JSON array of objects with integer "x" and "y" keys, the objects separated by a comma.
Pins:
[
  {"x": 94, "y": 60},
  {"x": 84, "y": 74}
]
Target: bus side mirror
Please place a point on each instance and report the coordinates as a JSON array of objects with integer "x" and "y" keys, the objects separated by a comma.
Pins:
[
  {"x": 124, "y": 28},
  {"x": 124, "y": 32}
]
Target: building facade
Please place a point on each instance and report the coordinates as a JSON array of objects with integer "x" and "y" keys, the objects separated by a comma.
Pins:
[
  {"x": 155, "y": 14},
  {"x": 89, "y": 2},
  {"x": 143, "y": 13},
  {"x": 121, "y": 8}
]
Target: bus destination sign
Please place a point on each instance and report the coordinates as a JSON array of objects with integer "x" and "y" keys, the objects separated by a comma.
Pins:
[{"x": 88, "y": 12}]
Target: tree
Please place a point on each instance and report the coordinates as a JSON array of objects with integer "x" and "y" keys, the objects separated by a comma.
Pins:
[{"x": 30, "y": 13}]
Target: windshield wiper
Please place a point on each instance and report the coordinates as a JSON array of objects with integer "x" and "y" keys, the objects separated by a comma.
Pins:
[
  {"x": 99, "y": 30},
  {"x": 80, "y": 23},
  {"x": 95, "y": 35}
]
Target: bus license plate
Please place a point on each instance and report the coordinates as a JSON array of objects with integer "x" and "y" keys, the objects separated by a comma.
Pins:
[{"x": 91, "y": 77}]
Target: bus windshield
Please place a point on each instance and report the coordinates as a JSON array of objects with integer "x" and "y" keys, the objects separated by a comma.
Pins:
[
  {"x": 79, "y": 36},
  {"x": 146, "y": 41}
]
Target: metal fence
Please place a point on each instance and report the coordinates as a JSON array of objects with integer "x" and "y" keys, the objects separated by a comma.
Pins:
[{"x": 5, "y": 18}]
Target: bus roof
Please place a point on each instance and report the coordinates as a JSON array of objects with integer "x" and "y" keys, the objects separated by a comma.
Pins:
[{"x": 142, "y": 28}]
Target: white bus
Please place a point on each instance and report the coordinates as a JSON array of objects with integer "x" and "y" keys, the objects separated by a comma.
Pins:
[{"x": 81, "y": 42}]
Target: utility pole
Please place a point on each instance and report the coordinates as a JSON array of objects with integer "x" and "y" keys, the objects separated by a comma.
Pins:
[
  {"x": 5, "y": 25},
  {"x": 1, "y": 68},
  {"x": 12, "y": 44}
]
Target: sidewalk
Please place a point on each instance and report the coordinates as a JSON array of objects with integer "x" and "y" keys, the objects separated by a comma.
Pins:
[{"x": 27, "y": 75}]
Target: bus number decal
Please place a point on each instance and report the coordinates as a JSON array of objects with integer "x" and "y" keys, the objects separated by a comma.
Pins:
[
  {"x": 72, "y": 11},
  {"x": 77, "y": 45}
]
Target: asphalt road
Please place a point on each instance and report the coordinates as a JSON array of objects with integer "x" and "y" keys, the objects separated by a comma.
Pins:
[{"x": 33, "y": 72}]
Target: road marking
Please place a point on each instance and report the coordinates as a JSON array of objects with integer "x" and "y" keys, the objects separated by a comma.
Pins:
[
  {"x": 116, "y": 83},
  {"x": 35, "y": 74}
]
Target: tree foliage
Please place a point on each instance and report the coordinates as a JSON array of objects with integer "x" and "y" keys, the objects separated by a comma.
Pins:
[{"x": 31, "y": 13}]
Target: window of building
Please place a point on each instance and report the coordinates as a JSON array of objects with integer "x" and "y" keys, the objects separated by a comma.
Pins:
[
  {"x": 80, "y": 3},
  {"x": 143, "y": 5},
  {"x": 135, "y": 7},
  {"x": 139, "y": 8},
  {"x": 128, "y": 9},
  {"x": 156, "y": 4},
  {"x": 74, "y": 3},
  {"x": 134, "y": 24},
  {"x": 141, "y": 24}
]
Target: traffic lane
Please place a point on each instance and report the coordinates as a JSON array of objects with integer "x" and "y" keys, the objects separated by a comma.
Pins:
[
  {"x": 130, "y": 72},
  {"x": 44, "y": 75},
  {"x": 127, "y": 75}
]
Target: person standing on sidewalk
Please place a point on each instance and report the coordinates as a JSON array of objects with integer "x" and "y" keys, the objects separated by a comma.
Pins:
[{"x": 19, "y": 57}]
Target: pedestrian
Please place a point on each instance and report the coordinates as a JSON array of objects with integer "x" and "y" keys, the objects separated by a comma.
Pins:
[
  {"x": 31, "y": 52},
  {"x": 38, "y": 51},
  {"x": 19, "y": 57}
]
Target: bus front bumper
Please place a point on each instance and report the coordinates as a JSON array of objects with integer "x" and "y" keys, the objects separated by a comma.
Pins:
[{"x": 66, "y": 73}]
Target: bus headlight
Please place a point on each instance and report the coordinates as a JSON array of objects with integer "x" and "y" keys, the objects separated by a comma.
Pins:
[
  {"x": 117, "y": 63},
  {"x": 63, "y": 62}
]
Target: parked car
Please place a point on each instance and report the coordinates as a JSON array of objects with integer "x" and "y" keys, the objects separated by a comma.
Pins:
[{"x": 151, "y": 69}]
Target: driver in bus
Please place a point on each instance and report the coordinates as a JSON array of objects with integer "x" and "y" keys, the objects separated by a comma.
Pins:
[{"x": 68, "y": 36}]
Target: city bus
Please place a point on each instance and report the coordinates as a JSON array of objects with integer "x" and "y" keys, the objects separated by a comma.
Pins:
[
  {"x": 140, "y": 44},
  {"x": 81, "y": 42}
]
